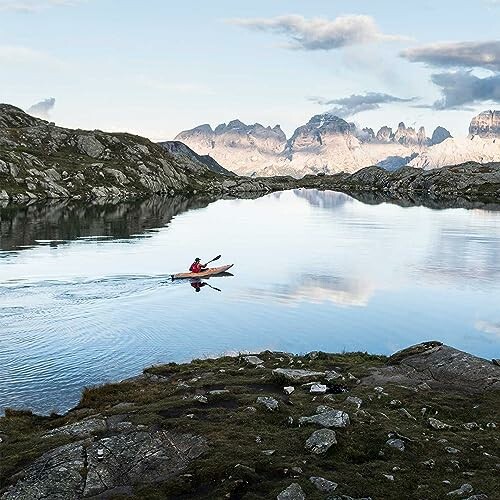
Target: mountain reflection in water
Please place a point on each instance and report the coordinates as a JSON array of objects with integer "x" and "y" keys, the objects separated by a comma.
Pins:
[{"x": 86, "y": 295}]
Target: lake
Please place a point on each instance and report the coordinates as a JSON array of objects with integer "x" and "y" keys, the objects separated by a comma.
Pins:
[{"x": 86, "y": 295}]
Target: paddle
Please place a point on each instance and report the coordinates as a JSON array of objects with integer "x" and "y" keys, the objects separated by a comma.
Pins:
[
  {"x": 215, "y": 258},
  {"x": 215, "y": 288}
]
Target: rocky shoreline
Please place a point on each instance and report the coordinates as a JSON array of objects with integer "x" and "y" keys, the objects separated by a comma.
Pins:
[
  {"x": 421, "y": 423},
  {"x": 41, "y": 161}
]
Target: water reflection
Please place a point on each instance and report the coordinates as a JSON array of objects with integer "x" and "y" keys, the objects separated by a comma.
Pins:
[
  {"x": 86, "y": 294},
  {"x": 57, "y": 222}
]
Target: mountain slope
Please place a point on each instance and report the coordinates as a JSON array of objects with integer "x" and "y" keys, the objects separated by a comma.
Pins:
[{"x": 184, "y": 153}]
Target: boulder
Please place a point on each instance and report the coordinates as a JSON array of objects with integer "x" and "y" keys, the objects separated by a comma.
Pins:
[
  {"x": 293, "y": 492},
  {"x": 332, "y": 418},
  {"x": 269, "y": 403},
  {"x": 297, "y": 375},
  {"x": 321, "y": 441},
  {"x": 323, "y": 485}
]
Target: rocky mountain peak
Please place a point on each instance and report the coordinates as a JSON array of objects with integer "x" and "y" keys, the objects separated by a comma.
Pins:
[
  {"x": 439, "y": 135},
  {"x": 486, "y": 124}
]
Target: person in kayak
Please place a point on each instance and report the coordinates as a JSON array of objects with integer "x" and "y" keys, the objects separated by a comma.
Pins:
[
  {"x": 196, "y": 266},
  {"x": 197, "y": 284}
]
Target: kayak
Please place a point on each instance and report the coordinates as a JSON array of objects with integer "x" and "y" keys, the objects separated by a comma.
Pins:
[{"x": 211, "y": 271}]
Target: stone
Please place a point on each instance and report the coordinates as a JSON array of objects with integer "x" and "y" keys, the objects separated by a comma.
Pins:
[
  {"x": 438, "y": 425},
  {"x": 323, "y": 409},
  {"x": 452, "y": 450},
  {"x": 122, "y": 460},
  {"x": 218, "y": 392},
  {"x": 253, "y": 360},
  {"x": 269, "y": 403},
  {"x": 395, "y": 402},
  {"x": 323, "y": 485},
  {"x": 353, "y": 400},
  {"x": 200, "y": 398},
  {"x": 390, "y": 477},
  {"x": 318, "y": 389},
  {"x": 470, "y": 426},
  {"x": 288, "y": 390},
  {"x": 86, "y": 427},
  {"x": 293, "y": 492},
  {"x": 297, "y": 375},
  {"x": 398, "y": 444},
  {"x": 321, "y": 441},
  {"x": 429, "y": 463},
  {"x": 406, "y": 413},
  {"x": 333, "y": 418},
  {"x": 268, "y": 452},
  {"x": 496, "y": 362},
  {"x": 463, "y": 490},
  {"x": 332, "y": 375},
  {"x": 480, "y": 496}
]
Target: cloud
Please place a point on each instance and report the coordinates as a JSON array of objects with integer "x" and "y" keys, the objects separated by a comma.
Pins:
[
  {"x": 43, "y": 108},
  {"x": 320, "y": 33},
  {"x": 462, "y": 89},
  {"x": 488, "y": 327},
  {"x": 32, "y": 5},
  {"x": 356, "y": 103},
  {"x": 457, "y": 55},
  {"x": 16, "y": 55}
]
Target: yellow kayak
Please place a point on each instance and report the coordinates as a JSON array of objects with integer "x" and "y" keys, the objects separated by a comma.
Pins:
[{"x": 211, "y": 271}]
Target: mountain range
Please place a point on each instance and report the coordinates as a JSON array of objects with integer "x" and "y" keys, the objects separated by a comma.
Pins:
[{"x": 329, "y": 144}]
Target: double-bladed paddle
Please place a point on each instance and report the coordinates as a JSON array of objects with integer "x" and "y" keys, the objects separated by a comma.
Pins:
[{"x": 215, "y": 258}]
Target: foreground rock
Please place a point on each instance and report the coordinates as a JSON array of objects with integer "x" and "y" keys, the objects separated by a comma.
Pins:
[
  {"x": 84, "y": 469},
  {"x": 439, "y": 367},
  {"x": 221, "y": 428}
]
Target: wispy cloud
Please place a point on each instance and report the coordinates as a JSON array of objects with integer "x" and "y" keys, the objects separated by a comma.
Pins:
[
  {"x": 43, "y": 108},
  {"x": 356, "y": 103},
  {"x": 174, "y": 86},
  {"x": 320, "y": 33},
  {"x": 33, "y": 5},
  {"x": 458, "y": 55},
  {"x": 12, "y": 54}
]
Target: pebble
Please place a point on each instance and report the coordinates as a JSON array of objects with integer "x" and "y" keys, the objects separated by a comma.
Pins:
[
  {"x": 289, "y": 389},
  {"x": 201, "y": 399},
  {"x": 321, "y": 441},
  {"x": 253, "y": 360},
  {"x": 437, "y": 424},
  {"x": 318, "y": 389},
  {"x": 354, "y": 401},
  {"x": 389, "y": 476},
  {"x": 269, "y": 403},
  {"x": 451, "y": 450}
]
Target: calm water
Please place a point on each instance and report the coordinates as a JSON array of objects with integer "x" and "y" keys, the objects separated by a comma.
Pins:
[{"x": 85, "y": 294}]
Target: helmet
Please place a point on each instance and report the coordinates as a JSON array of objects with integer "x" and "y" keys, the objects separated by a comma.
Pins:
[{"x": 197, "y": 259}]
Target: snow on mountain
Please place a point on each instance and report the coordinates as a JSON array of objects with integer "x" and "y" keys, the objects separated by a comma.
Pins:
[{"x": 329, "y": 144}]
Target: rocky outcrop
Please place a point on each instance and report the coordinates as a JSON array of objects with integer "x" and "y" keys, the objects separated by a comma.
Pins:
[
  {"x": 39, "y": 160},
  {"x": 440, "y": 367},
  {"x": 425, "y": 417},
  {"x": 486, "y": 125}
]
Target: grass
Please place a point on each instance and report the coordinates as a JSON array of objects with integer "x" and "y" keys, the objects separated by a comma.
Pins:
[{"x": 236, "y": 434}]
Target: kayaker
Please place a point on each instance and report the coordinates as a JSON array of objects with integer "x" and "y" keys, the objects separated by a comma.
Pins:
[
  {"x": 196, "y": 266},
  {"x": 198, "y": 284}
]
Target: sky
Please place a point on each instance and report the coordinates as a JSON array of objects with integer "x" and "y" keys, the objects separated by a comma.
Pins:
[{"x": 156, "y": 67}]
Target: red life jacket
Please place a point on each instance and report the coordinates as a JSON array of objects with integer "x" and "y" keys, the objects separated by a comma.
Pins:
[{"x": 195, "y": 267}]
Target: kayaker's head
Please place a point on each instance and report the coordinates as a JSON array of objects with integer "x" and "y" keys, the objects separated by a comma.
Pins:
[{"x": 197, "y": 259}]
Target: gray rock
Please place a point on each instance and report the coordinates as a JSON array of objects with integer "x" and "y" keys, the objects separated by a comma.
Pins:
[
  {"x": 200, "y": 398},
  {"x": 463, "y": 490},
  {"x": 297, "y": 375},
  {"x": 323, "y": 485},
  {"x": 396, "y": 443},
  {"x": 452, "y": 450},
  {"x": 289, "y": 389},
  {"x": 253, "y": 360},
  {"x": 86, "y": 427},
  {"x": 438, "y": 425},
  {"x": 333, "y": 418},
  {"x": 332, "y": 375},
  {"x": 113, "y": 462},
  {"x": 480, "y": 496},
  {"x": 470, "y": 426},
  {"x": 318, "y": 389},
  {"x": 321, "y": 441},
  {"x": 269, "y": 403},
  {"x": 439, "y": 367},
  {"x": 406, "y": 413},
  {"x": 353, "y": 400},
  {"x": 293, "y": 492}
]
